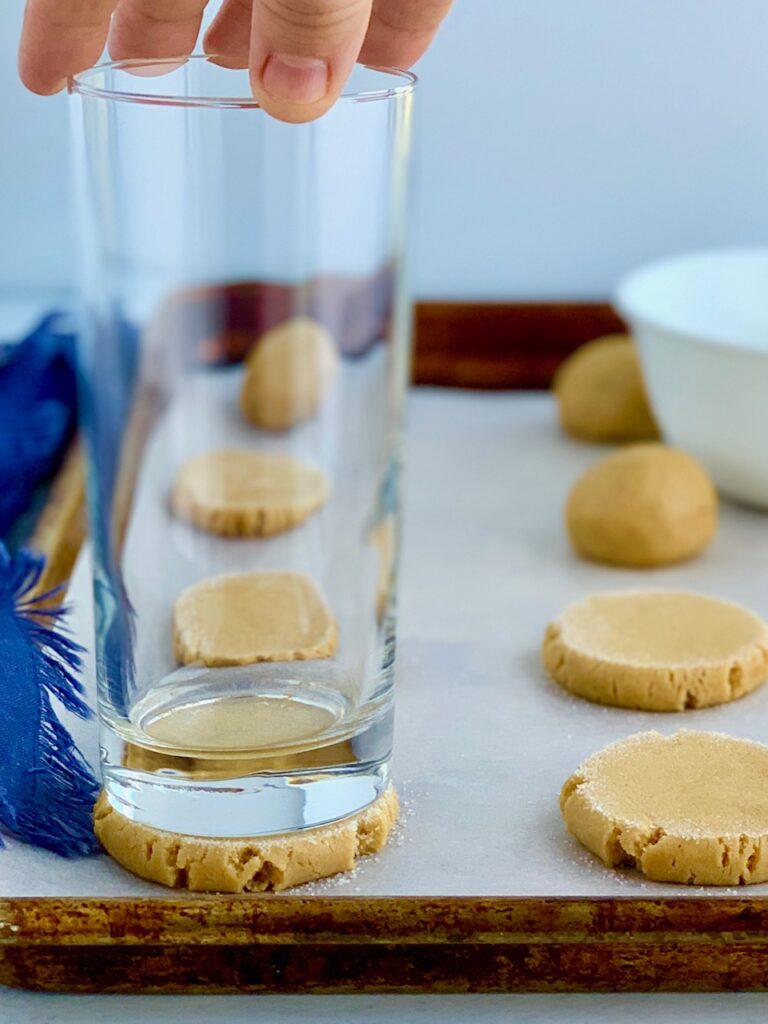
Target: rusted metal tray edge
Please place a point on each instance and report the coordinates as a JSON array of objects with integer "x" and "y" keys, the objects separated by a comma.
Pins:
[{"x": 339, "y": 944}]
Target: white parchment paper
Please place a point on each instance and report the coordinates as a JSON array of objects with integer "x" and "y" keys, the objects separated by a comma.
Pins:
[{"x": 484, "y": 739}]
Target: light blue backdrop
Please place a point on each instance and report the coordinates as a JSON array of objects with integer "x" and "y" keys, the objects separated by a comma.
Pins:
[{"x": 561, "y": 142}]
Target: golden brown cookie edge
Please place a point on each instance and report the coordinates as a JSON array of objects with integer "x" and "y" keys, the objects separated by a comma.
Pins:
[
  {"x": 249, "y": 864},
  {"x": 654, "y": 853},
  {"x": 651, "y": 688}
]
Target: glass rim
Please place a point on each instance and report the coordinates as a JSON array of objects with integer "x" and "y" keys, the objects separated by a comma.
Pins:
[{"x": 81, "y": 85}]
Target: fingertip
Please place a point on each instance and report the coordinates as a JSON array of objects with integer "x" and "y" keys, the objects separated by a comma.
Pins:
[
  {"x": 221, "y": 49},
  {"x": 222, "y": 60},
  {"x": 43, "y": 88},
  {"x": 295, "y": 81},
  {"x": 140, "y": 31},
  {"x": 297, "y": 115},
  {"x": 290, "y": 113},
  {"x": 38, "y": 80},
  {"x": 294, "y": 89},
  {"x": 115, "y": 49},
  {"x": 58, "y": 42},
  {"x": 299, "y": 64}
]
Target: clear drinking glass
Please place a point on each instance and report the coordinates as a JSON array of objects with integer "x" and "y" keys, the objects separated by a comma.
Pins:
[{"x": 243, "y": 293}]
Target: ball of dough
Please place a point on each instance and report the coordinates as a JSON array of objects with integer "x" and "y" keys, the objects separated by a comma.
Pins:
[
  {"x": 645, "y": 505},
  {"x": 690, "y": 808},
  {"x": 288, "y": 374},
  {"x": 661, "y": 650},
  {"x": 601, "y": 394}
]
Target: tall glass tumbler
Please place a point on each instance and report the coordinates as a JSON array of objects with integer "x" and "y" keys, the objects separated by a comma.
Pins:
[{"x": 243, "y": 367}]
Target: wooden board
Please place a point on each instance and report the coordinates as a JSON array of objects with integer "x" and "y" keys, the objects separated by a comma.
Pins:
[{"x": 298, "y": 943}]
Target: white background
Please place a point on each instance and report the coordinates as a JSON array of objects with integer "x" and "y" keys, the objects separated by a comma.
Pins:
[{"x": 561, "y": 141}]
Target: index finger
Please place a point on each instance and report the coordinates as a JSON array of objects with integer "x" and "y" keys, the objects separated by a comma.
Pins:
[{"x": 60, "y": 38}]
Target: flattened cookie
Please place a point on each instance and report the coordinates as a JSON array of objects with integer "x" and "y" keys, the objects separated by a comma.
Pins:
[
  {"x": 255, "y": 864},
  {"x": 645, "y": 505},
  {"x": 689, "y": 808},
  {"x": 239, "y": 493},
  {"x": 657, "y": 650},
  {"x": 601, "y": 394},
  {"x": 288, "y": 374},
  {"x": 243, "y": 618}
]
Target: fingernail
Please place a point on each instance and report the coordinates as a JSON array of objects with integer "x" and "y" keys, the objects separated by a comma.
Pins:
[{"x": 295, "y": 79}]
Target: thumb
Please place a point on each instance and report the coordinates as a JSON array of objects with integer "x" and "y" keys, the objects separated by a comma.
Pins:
[{"x": 302, "y": 52}]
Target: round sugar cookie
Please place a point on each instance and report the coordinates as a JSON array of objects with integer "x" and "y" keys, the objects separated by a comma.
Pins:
[
  {"x": 690, "y": 808},
  {"x": 645, "y": 505},
  {"x": 238, "y": 493},
  {"x": 288, "y": 374},
  {"x": 242, "y": 618},
  {"x": 257, "y": 864},
  {"x": 601, "y": 394},
  {"x": 657, "y": 650}
]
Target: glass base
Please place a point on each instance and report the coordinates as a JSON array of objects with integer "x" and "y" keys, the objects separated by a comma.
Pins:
[
  {"x": 246, "y": 763},
  {"x": 250, "y": 806}
]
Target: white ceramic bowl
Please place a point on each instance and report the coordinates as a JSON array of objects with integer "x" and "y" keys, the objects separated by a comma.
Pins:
[{"x": 701, "y": 325}]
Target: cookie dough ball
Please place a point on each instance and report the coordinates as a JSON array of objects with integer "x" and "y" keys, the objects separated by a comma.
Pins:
[
  {"x": 690, "y": 808},
  {"x": 601, "y": 394},
  {"x": 242, "y": 618},
  {"x": 238, "y": 493},
  {"x": 288, "y": 374},
  {"x": 646, "y": 505},
  {"x": 657, "y": 650}
]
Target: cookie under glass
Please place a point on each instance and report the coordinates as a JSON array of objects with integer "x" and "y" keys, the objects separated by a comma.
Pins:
[{"x": 207, "y": 227}]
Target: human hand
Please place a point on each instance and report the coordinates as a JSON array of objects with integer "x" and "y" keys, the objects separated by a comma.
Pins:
[{"x": 300, "y": 52}]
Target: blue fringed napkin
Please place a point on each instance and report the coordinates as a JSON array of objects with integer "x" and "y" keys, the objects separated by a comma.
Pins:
[
  {"x": 37, "y": 412},
  {"x": 47, "y": 789}
]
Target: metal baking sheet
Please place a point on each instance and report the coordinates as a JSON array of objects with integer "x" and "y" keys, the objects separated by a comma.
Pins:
[{"x": 484, "y": 739}]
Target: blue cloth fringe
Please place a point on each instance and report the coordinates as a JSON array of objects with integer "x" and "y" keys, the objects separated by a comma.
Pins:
[{"x": 47, "y": 789}]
